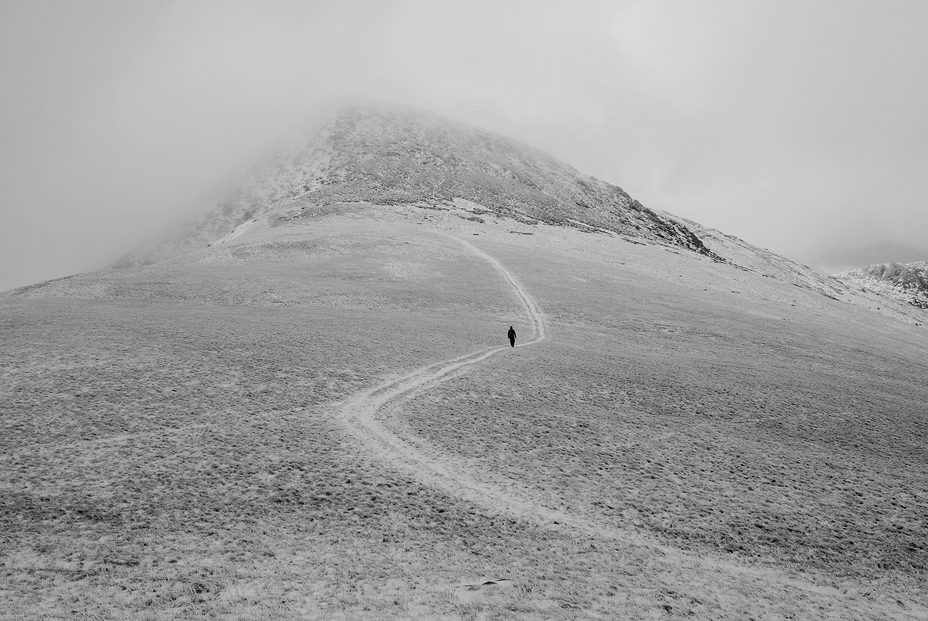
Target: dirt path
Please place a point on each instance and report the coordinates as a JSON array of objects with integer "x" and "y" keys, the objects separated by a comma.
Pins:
[
  {"x": 436, "y": 468},
  {"x": 453, "y": 475},
  {"x": 458, "y": 478}
]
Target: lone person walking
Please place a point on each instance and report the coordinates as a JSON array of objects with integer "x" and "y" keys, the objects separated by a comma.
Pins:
[{"x": 512, "y": 336}]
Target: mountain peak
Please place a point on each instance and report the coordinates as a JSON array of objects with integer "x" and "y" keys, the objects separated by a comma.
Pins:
[{"x": 390, "y": 155}]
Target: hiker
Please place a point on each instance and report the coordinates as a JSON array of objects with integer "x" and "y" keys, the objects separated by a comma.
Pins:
[{"x": 512, "y": 336}]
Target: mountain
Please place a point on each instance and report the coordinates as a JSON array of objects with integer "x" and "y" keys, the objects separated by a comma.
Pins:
[
  {"x": 905, "y": 282},
  {"x": 401, "y": 156},
  {"x": 304, "y": 405}
]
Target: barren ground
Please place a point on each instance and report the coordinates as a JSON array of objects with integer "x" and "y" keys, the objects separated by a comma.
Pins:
[{"x": 276, "y": 427}]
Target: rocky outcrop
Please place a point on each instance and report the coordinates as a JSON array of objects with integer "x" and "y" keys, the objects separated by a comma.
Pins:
[{"x": 907, "y": 282}]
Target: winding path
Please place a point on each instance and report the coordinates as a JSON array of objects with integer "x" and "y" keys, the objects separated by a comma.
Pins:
[
  {"x": 455, "y": 476},
  {"x": 427, "y": 464},
  {"x": 361, "y": 414}
]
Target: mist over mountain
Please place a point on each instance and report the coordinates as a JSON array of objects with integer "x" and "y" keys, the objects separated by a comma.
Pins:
[
  {"x": 907, "y": 282},
  {"x": 402, "y": 156}
]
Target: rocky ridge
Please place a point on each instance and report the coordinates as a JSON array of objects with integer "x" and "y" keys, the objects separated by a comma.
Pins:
[
  {"x": 400, "y": 156},
  {"x": 905, "y": 282}
]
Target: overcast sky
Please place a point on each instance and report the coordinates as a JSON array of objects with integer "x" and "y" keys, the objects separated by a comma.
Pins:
[{"x": 801, "y": 127}]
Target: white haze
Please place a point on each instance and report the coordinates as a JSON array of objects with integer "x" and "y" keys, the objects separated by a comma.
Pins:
[{"x": 797, "y": 126}]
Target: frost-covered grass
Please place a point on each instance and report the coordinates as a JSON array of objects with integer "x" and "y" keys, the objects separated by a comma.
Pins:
[
  {"x": 717, "y": 427},
  {"x": 169, "y": 442}
]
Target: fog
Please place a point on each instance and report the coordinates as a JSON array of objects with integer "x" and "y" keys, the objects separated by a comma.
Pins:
[{"x": 797, "y": 126}]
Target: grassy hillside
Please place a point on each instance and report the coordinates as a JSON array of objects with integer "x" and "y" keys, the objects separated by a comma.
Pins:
[{"x": 690, "y": 439}]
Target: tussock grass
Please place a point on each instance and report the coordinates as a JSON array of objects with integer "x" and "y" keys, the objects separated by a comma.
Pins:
[{"x": 170, "y": 449}]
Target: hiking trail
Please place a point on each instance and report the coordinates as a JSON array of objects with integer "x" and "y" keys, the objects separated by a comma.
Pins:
[{"x": 454, "y": 476}]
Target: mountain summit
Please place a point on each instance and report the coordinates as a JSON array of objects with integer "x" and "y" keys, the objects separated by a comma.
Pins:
[{"x": 402, "y": 156}]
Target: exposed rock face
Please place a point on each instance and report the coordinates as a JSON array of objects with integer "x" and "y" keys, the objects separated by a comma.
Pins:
[
  {"x": 902, "y": 281},
  {"x": 399, "y": 156}
]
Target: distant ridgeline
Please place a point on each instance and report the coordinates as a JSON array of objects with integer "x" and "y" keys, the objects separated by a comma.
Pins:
[
  {"x": 907, "y": 282},
  {"x": 401, "y": 156}
]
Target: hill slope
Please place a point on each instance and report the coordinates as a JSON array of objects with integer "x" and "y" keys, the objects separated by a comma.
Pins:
[{"x": 319, "y": 416}]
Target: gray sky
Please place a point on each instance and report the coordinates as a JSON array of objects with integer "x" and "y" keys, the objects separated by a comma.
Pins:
[{"x": 798, "y": 126}]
